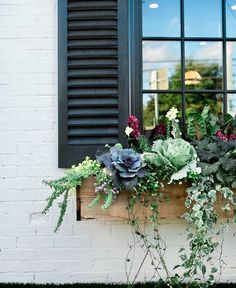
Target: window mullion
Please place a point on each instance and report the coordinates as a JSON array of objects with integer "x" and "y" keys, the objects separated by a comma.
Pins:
[
  {"x": 183, "y": 106},
  {"x": 224, "y": 56}
]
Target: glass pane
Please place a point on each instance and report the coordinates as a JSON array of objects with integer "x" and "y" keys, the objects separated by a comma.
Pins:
[
  {"x": 230, "y": 18},
  {"x": 203, "y": 66},
  {"x": 203, "y": 18},
  {"x": 156, "y": 105},
  {"x": 197, "y": 101},
  {"x": 161, "y": 18},
  {"x": 231, "y": 104},
  {"x": 231, "y": 65},
  {"x": 161, "y": 65}
]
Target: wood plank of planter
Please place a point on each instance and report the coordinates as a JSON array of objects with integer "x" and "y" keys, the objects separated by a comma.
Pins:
[{"x": 174, "y": 209}]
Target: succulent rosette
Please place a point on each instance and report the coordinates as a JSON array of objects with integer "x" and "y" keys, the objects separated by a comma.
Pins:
[{"x": 126, "y": 165}]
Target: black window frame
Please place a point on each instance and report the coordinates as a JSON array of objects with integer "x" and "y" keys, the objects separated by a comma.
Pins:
[{"x": 136, "y": 64}]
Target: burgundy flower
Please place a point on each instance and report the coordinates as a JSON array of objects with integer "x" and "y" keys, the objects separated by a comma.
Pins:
[
  {"x": 224, "y": 137},
  {"x": 160, "y": 130},
  {"x": 232, "y": 136},
  {"x": 221, "y": 135},
  {"x": 134, "y": 124}
]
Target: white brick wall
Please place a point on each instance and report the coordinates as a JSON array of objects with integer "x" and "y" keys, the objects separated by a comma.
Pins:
[{"x": 30, "y": 251}]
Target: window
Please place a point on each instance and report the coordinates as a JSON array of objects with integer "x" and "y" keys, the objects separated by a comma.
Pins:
[
  {"x": 188, "y": 57},
  {"x": 121, "y": 57}
]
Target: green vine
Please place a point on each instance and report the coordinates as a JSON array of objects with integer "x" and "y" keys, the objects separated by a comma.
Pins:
[
  {"x": 207, "y": 162},
  {"x": 67, "y": 184}
]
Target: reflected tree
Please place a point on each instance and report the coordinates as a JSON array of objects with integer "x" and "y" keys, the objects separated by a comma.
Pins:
[{"x": 211, "y": 79}]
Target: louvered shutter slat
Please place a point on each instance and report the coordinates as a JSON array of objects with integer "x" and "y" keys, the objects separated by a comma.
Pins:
[{"x": 94, "y": 104}]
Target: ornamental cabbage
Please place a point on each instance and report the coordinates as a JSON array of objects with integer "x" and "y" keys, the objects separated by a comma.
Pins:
[
  {"x": 125, "y": 164},
  {"x": 177, "y": 152},
  {"x": 176, "y": 156}
]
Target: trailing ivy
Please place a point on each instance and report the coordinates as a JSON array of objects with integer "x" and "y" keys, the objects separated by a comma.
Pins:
[
  {"x": 207, "y": 161},
  {"x": 202, "y": 217}
]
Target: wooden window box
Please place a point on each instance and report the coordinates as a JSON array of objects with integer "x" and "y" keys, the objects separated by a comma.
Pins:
[
  {"x": 174, "y": 209},
  {"x": 171, "y": 210}
]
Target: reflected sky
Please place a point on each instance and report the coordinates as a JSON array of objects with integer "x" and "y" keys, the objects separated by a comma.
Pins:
[
  {"x": 231, "y": 18},
  {"x": 203, "y": 18},
  {"x": 162, "y": 59},
  {"x": 165, "y": 57},
  {"x": 163, "y": 21}
]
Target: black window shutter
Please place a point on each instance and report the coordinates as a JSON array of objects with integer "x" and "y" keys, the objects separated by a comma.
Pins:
[{"x": 93, "y": 76}]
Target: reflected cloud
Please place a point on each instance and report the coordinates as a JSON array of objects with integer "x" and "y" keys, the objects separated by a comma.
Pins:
[
  {"x": 174, "y": 22},
  {"x": 209, "y": 52},
  {"x": 159, "y": 53}
]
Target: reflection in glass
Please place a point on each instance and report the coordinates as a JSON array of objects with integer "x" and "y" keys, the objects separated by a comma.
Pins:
[
  {"x": 197, "y": 101},
  {"x": 161, "y": 18},
  {"x": 156, "y": 105},
  {"x": 231, "y": 99},
  {"x": 203, "y": 65},
  {"x": 230, "y": 18},
  {"x": 161, "y": 65},
  {"x": 203, "y": 18},
  {"x": 231, "y": 65}
]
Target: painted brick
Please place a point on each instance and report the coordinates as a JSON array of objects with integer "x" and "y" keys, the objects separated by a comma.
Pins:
[
  {"x": 36, "y": 171},
  {"x": 7, "y": 147},
  {"x": 75, "y": 242},
  {"x": 16, "y": 230},
  {"x": 27, "y": 32},
  {"x": 38, "y": 9},
  {"x": 6, "y": 21},
  {"x": 7, "y": 172},
  {"x": 7, "y": 242},
  {"x": 91, "y": 251},
  {"x": 25, "y": 277},
  {"x": 30, "y": 266},
  {"x": 74, "y": 266},
  {"x": 8, "y": 10},
  {"x": 23, "y": 195},
  {"x": 14, "y": 254},
  {"x": 65, "y": 230},
  {"x": 34, "y": 242},
  {"x": 54, "y": 254},
  {"x": 14, "y": 219},
  {"x": 22, "y": 207}
]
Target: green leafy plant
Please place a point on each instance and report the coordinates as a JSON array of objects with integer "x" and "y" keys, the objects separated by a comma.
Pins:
[
  {"x": 206, "y": 160},
  {"x": 68, "y": 184},
  {"x": 218, "y": 158}
]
